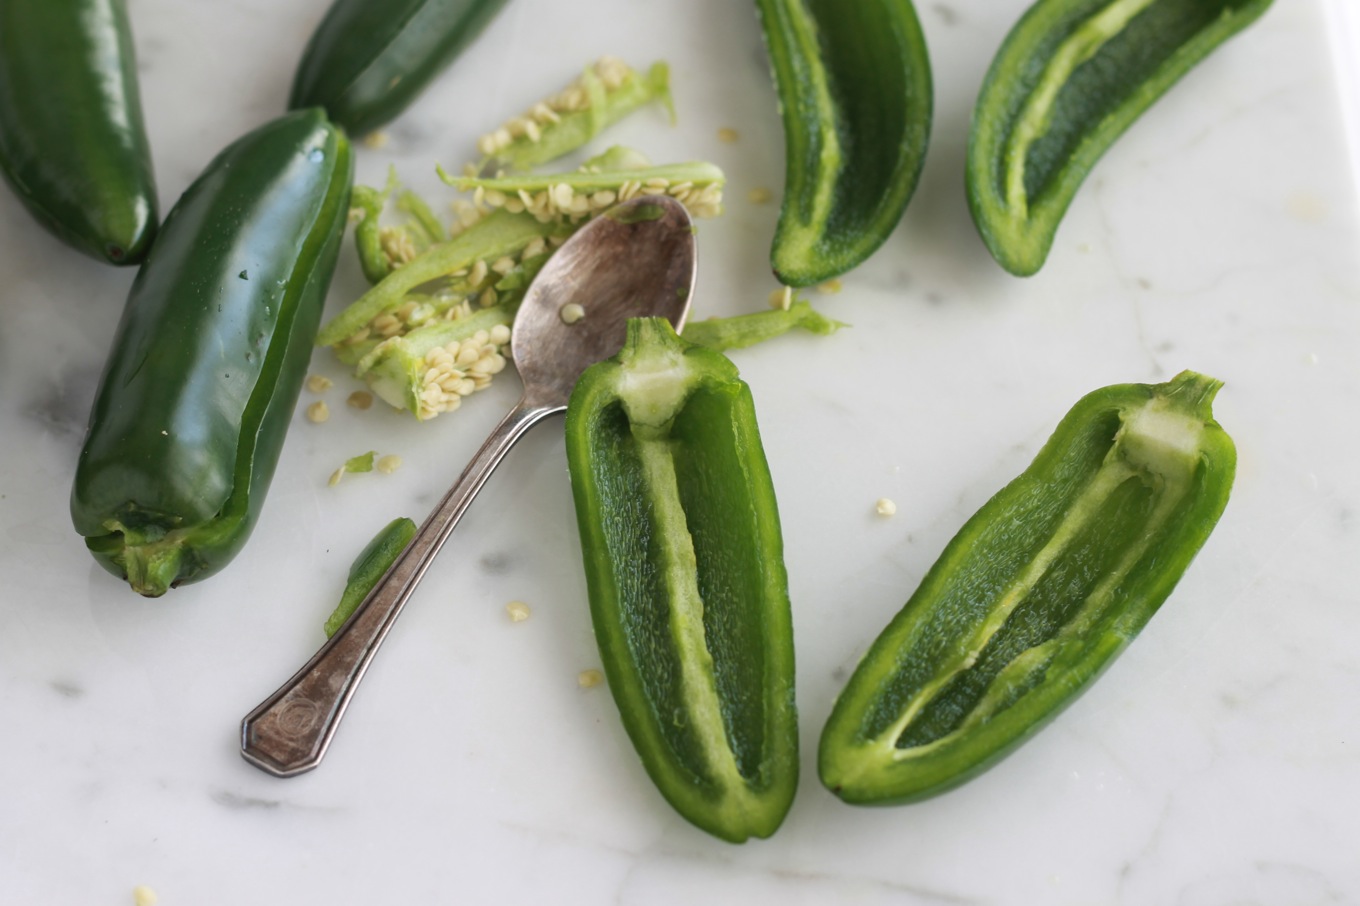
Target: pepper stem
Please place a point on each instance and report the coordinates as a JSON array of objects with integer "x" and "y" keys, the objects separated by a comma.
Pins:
[
  {"x": 1192, "y": 392},
  {"x": 655, "y": 379},
  {"x": 153, "y": 568}
]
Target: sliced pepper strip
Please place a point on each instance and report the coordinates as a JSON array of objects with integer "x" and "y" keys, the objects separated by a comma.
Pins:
[
  {"x": 1070, "y": 77},
  {"x": 741, "y": 331},
  {"x": 684, "y": 567},
  {"x": 1035, "y": 595},
  {"x": 854, "y": 87}
]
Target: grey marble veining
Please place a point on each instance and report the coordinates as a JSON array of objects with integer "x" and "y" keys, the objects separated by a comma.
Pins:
[{"x": 1214, "y": 763}]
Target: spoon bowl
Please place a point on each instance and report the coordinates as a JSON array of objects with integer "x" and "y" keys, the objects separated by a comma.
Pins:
[{"x": 635, "y": 260}]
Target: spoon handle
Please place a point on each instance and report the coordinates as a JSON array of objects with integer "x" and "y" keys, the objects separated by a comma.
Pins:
[{"x": 289, "y": 732}]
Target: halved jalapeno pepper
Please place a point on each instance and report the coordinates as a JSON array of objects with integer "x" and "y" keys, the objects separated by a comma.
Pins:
[
  {"x": 855, "y": 95},
  {"x": 1071, "y": 76},
  {"x": 684, "y": 567},
  {"x": 1036, "y": 594}
]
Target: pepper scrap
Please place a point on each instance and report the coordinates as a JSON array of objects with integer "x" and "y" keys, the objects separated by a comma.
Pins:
[
  {"x": 367, "y": 62},
  {"x": 854, "y": 89},
  {"x": 1035, "y": 595},
  {"x": 1070, "y": 77},
  {"x": 371, "y": 565},
  {"x": 605, "y": 92},
  {"x": 72, "y": 142},
  {"x": 684, "y": 568},
  {"x": 741, "y": 331},
  {"x": 210, "y": 357}
]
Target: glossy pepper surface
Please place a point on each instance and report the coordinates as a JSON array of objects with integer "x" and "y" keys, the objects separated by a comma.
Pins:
[
  {"x": 72, "y": 142},
  {"x": 685, "y": 572},
  {"x": 367, "y": 62},
  {"x": 1070, "y": 77},
  {"x": 1036, "y": 594},
  {"x": 855, "y": 94},
  {"x": 210, "y": 355}
]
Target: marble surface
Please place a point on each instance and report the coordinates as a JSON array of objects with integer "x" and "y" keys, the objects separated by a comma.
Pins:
[{"x": 1216, "y": 762}]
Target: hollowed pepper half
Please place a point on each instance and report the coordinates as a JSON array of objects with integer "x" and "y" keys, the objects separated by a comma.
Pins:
[
  {"x": 1070, "y": 77},
  {"x": 367, "y": 62},
  {"x": 685, "y": 573},
  {"x": 72, "y": 142},
  {"x": 854, "y": 91},
  {"x": 210, "y": 356},
  {"x": 1035, "y": 595}
]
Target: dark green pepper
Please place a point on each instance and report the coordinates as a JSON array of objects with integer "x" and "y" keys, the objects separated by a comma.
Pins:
[
  {"x": 72, "y": 143},
  {"x": 1036, "y": 594},
  {"x": 684, "y": 567},
  {"x": 210, "y": 355},
  {"x": 1070, "y": 77},
  {"x": 855, "y": 95},
  {"x": 367, "y": 62}
]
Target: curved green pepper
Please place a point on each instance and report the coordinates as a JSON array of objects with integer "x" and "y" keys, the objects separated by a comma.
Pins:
[
  {"x": 855, "y": 94},
  {"x": 72, "y": 143},
  {"x": 210, "y": 355},
  {"x": 1070, "y": 77},
  {"x": 1036, "y": 594},
  {"x": 684, "y": 566},
  {"x": 366, "y": 62}
]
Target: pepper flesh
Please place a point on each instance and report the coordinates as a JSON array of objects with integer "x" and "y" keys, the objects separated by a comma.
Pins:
[
  {"x": 1070, "y": 77},
  {"x": 72, "y": 142},
  {"x": 854, "y": 89},
  {"x": 210, "y": 356},
  {"x": 684, "y": 567},
  {"x": 1035, "y": 595},
  {"x": 367, "y": 62}
]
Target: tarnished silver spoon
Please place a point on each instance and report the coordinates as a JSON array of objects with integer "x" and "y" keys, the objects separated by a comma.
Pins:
[{"x": 635, "y": 260}]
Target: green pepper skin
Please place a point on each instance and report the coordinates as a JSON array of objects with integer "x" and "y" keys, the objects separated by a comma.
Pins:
[
  {"x": 684, "y": 568},
  {"x": 855, "y": 95},
  {"x": 1070, "y": 77},
  {"x": 72, "y": 143},
  {"x": 210, "y": 356},
  {"x": 1036, "y": 594},
  {"x": 367, "y": 62}
]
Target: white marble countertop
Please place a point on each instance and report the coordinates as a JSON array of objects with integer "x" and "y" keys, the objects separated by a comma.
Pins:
[{"x": 1216, "y": 762}]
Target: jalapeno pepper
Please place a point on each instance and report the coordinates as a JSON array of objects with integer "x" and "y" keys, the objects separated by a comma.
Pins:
[
  {"x": 854, "y": 91},
  {"x": 367, "y": 62},
  {"x": 72, "y": 143},
  {"x": 210, "y": 355},
  {"x": 1070, "y": 77},
  {"x": 684, "y": 567},
  {"x": 1036, "y": 594}
]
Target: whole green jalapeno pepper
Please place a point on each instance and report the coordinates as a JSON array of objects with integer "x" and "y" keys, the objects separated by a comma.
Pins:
[
  {"x": 1036, "y": 594},
  {"x": 1070, "y": 77},
  {"x": 367, "y": 62},
  {"x": 684, "y": 567},
  {"x": 72, "y": 143},
  {"x": 854, "y": 91},
  {"x": 210, "y": 356}
]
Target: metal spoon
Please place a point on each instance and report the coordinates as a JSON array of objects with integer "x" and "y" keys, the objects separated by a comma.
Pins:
[{"x": 635, "y": 260}]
